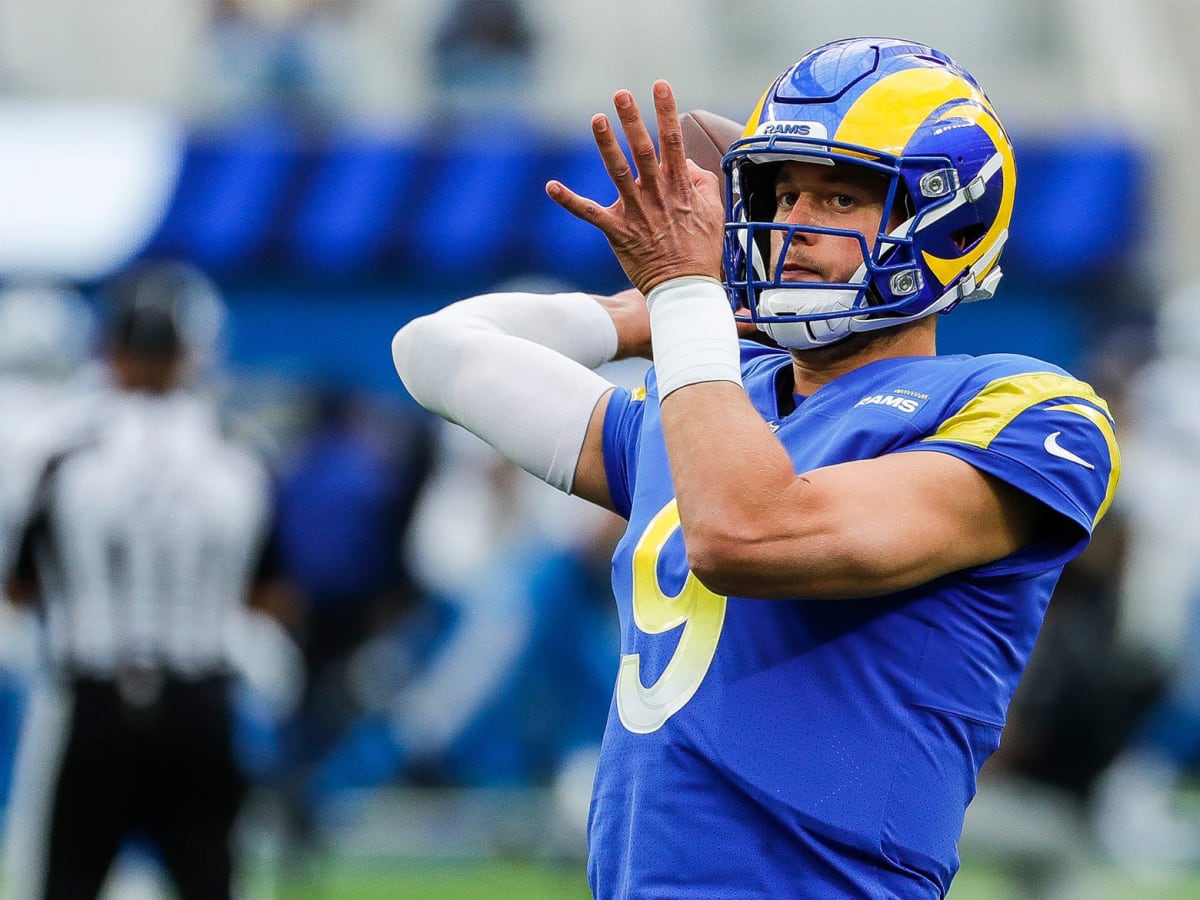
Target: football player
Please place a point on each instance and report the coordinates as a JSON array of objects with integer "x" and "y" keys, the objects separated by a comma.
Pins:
[{"x": 840, "y": 548}]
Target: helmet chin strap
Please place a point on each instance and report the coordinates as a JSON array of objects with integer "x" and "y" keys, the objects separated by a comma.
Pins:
[
  {"x": 809, "y": 301},
  {"x": 812, "y": 333}
]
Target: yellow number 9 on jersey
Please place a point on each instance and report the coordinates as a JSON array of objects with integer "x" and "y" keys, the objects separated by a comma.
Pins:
[{"x": 702, "y": 613}]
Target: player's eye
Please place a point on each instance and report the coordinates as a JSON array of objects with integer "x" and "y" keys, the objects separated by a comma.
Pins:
[
  {"x": 785, "y": 200},
  {"x": 843, "y": 201}
]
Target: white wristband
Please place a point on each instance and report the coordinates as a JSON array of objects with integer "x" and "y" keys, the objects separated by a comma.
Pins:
[{"x": 694, "y": 334}]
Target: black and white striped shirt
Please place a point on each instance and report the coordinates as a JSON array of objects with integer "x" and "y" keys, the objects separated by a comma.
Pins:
[{"x": 150, "y": 527}]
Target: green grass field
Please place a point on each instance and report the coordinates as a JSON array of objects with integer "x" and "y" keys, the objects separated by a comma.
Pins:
[
  {"x": 414, "y": 879},
  {"x": 529, "y": 881},
  {"x": 440, "y": 881},
  {"x": 494, "y": 845}
]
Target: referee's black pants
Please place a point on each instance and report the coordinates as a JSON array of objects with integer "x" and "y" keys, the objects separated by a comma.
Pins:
[{"x": 150, "y": 759}]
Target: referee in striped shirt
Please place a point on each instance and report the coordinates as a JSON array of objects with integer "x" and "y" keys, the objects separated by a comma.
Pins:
[{"x": 150, "y": 533}]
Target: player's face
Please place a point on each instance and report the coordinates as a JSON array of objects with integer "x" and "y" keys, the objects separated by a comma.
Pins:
[{"x": 839, "y": 196}]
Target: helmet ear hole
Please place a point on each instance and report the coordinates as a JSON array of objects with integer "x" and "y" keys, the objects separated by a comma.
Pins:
[
  {"x": 966, "y": 238},
  {"x": 903, "y": 207}
]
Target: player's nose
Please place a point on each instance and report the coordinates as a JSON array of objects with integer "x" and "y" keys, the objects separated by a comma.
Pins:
[{"x": 802, "y": 213}]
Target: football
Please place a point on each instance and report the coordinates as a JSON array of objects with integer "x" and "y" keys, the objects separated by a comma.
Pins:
[{"x": 706, "y": 137}]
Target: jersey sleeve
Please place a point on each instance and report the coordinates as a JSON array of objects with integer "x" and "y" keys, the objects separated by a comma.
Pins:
[
  {"x": 622, "y": 436},
  {"x": 1047, "y": 435}
]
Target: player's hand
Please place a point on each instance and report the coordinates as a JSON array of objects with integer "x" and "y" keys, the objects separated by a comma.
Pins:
[
  {"x": 668, "y": 220},
  {"x": 632, "y": 320}
]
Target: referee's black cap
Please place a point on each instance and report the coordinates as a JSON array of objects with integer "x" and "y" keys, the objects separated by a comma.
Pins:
[{"x": 149, "y": 308}]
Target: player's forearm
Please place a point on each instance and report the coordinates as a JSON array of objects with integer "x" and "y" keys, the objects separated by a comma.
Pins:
[
  {"x": 731, "y": 476},
  {"x": 728, "y": 469},
  {"x": 513, "y": 369},
  {"x": 752, "y": 527}
]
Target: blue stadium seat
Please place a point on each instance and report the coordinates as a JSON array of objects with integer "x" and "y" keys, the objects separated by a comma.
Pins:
[
  {"x": 230, "y": 192},
  {"x": 472, "y": 221},
  {"x": 1079, "y": 207},
  {"x": 354, "y": 201},
  {"x": 562, "y": 245}
]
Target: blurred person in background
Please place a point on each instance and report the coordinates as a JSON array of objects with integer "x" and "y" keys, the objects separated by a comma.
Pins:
[
  {"x": 1047, "y": 809},
  {"x": 46, "y": 335},
  {"x": 285, "y": 58},
  {"x": 839, "y": 554},
  {"x": 46, "y": 340},
  {"x": 509, "y": 674},
  {"x": 1139, "y": 817},
  {"x": 483, "y": 54},
  {"x": 1076, "y": 708},
  {"x": 347, "y": 492},
  {"x": 150, "y": 531},
  {"x": 47, "y": 332}
]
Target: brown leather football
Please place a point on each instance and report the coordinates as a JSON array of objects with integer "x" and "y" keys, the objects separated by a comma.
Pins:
[{"x": 706, "y": 137}]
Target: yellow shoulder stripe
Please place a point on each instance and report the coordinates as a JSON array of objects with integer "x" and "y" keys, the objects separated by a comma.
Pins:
[{"x": 990, "y": 411}]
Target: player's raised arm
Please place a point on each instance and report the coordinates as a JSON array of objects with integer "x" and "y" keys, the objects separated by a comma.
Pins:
[
  {"x": 752, "y": 524},
  {"x": 515, "y": 369}
]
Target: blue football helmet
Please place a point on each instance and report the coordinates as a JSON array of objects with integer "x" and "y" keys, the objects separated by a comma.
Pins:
[{"x": 916, "y": 117}]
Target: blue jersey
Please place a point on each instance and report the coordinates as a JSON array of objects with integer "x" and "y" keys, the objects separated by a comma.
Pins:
[{"x": 808, "y": 748}]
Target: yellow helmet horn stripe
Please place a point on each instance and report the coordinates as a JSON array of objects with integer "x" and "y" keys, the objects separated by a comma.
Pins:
[
  {"x": 889, "y": 113},
  {"x": 752, "y": 122},
  {"x": 946, "y": 269}
]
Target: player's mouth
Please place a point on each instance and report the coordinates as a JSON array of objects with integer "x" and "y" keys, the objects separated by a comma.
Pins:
[{"x": 800, "y": 272}]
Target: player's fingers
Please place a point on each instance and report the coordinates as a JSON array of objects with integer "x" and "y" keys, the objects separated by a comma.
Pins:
[
  {"x": 613, "y": 156},
  {"x": 670, "y": 135},
  {"x": 704, "y": 181},
  {"x": 577, "y": 205},
  {"x": 698, "y": 175},
  {"x": 641, "y": 144}
]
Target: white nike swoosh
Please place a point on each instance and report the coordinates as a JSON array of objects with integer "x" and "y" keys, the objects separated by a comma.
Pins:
[{"x": 1051, "y": 445}]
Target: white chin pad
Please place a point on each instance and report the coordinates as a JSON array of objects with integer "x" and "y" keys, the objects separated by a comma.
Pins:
[{"x": 806, "y": 301}]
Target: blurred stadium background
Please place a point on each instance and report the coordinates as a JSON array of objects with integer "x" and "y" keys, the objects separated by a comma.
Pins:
[{"x": 333, "y": 168}]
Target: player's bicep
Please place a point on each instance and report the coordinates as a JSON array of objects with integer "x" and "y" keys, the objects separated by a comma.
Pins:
[
  {"x": 877, "y": 526},
  {"x": 909, "y": 518}
]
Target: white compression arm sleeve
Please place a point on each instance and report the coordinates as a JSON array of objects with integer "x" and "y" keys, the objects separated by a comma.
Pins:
[{"x": 515, "y": 370}]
